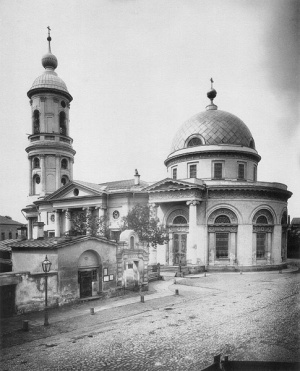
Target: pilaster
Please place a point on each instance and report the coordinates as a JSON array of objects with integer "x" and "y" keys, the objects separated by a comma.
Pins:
[
  {"x": 57, "y": 223},
  {"x": 192, "y": 241}
]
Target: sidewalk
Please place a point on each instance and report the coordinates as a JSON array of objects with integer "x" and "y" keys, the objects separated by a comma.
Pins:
[{"x": 157, "y": 289}]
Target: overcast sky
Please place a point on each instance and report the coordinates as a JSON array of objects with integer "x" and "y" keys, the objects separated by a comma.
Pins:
[{"x": 137, "y": 69}]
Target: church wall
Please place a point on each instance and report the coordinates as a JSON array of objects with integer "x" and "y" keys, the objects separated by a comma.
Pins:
[
  {"x": 205, "y": 168},
  {"x": 31, "y": 260},
  {"x": 68, "y": 266},
  {"x": 246, "y": 239}
]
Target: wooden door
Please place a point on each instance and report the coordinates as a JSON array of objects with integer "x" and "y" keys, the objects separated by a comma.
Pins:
[{"x": 85, "y": 278}]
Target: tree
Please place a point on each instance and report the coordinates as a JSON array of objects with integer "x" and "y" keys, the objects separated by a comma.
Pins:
[
  {"x": 148, "y": 228},
  {"x": 83, "y": 222}
]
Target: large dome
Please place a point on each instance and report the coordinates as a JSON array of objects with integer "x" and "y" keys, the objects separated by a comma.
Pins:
[{"x": 213, "y": 127}]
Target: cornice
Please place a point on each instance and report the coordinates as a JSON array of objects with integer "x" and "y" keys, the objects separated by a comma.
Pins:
[
  {"x": 249, "y": 193},
  {"x": 45, "y": 145},
  {"x": 216, "y": 154}
]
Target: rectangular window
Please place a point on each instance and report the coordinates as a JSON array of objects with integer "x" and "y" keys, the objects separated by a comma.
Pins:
[
  {"x": 260, "y": 245},
  {"x": 3, "y": 236},
  {"x": 255, "y": 173},
  {"x": 218, "y": 170},
  {"x": 16, "y": 235},
  {"x": 10, "y": 235},
  {"x": 193, "y": 171},
  {"x": 51, "y": 234},
  {"x": 174, "y": 173},
  {"x": 241, "y": 171},
  {"x": 222, "y": 245}
]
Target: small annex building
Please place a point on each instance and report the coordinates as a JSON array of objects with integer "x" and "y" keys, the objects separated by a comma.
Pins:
[{"x": 82, "y": 267}]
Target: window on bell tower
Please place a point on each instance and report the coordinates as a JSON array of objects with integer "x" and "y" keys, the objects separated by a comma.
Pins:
[
  {"x": 64, "y": 163},
  {"x": 62, "y": 123},
  {"x": 36, "y": 122},
  {"x": 36, "y": 162}
]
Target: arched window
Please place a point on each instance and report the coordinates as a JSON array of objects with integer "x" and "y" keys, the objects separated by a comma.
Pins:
[
  {"x": 179, "y": 220},
  {"x": 36, "y": 122},
  {"x": 64, "y": 180},
  {"x": 132, "y": 242},
  {"x": 252, "y": 144},
  {"x": 222, "y": 219},
  {"x": 64, "y": 163},
  {"x": 194, "y": 142},
  {"x": 262, "y": 227},
  {"x": 261, "y": 220},
  {"x": 36, "y": 162},
  {"x": 36, "y": 184},
  {"x": 62, "y": 123}
]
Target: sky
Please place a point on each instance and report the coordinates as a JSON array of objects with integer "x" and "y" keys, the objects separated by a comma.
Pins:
[{"x": 138, "y": 69}]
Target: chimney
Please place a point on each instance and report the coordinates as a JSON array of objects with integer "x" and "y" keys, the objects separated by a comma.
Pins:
[
  {"x": 136, "y": 178},
  {"x": 38, "y": 231}
]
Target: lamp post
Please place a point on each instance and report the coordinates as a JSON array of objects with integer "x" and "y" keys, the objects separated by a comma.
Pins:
[{"x": 46, "y": 264}]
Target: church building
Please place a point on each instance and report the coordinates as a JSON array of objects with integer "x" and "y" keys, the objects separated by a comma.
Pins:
[{"x": 217, "y": 213}]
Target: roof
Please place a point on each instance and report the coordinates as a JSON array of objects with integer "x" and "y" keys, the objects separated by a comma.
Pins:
[
  {"x": 51, "y": 243},
  {"x": 49, "y": 80},
  {"x": 3, "y": 245},
  {"x": 7, "y": 221},
  {"x": 124, "y": 185},
  {"x": 214, "y": 127},
  {"x": 295, "y": 221}
]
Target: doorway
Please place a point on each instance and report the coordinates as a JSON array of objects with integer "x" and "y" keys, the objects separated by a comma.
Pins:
[
  {"x": 179, "y": 249},
  {"x": 85, "y": 281}
]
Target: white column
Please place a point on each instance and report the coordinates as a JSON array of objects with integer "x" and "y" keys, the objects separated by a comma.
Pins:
[
  {"x": 57, "y": 168},
  {"x": 30, "y": 176},
  {"x": 43, "y": 174},
  {"x": 211, "y": 248},
  {"x": 192, "y": 243},
  {"x": 67, "y": 220},
  {"x": 29, "y": 228},
  {"x": 232, "y": 251},
  {"x": 100, "y": 213},
  {"x": 57, "y": 223}
]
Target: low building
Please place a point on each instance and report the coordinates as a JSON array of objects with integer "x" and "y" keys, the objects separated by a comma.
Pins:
[
  {"x": 82, "y": 267},
  {"x": 11, "y": 229}
]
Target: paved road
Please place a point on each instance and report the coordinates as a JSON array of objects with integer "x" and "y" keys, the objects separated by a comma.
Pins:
[{"x": 253, "y": 316}]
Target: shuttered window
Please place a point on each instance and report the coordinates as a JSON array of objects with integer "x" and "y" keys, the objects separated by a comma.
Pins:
[
  {"x": 218, "y": 167},
  {"x": 241, "y": 171},
  {"x": 222, "y": 245},
  {"x": 260, "y": 245},
  {"x": 193, "y": 171}
]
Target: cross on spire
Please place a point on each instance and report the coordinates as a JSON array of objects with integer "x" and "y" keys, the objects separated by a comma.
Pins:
[
  {"x": 49, "y": 38},
  {"x": 212, "y": 81}
]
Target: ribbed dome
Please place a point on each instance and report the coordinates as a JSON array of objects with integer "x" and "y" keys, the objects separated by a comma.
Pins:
[
  {"x": 49, "y": 80},
  {"x": 213, "y": 127}
]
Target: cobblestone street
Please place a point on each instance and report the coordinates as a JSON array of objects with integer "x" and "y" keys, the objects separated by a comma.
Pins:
[{"x": 249, "y": 316}]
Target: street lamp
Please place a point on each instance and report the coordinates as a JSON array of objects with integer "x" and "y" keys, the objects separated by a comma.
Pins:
[{"x": 46, "y": 264}]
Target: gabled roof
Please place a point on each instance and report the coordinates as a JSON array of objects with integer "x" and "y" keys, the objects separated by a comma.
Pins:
[
  {"x": 7, "y": 221},
  {"x": 125, "y": 185},
  {"x": 169, "y": 184},
  {"x": 52, "y": 242},
  {"x": 92, "y": 189}
]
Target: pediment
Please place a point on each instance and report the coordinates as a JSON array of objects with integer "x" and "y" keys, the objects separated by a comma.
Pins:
[
  {"x": 76, "y": 190},
  {"x": 169, "y": 184}
]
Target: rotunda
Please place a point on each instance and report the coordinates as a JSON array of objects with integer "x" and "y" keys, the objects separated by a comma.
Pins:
[{"x": 219, "y": 216}]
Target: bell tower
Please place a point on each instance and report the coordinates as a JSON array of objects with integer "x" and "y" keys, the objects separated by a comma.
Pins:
[{"x": 50, "y": 151}]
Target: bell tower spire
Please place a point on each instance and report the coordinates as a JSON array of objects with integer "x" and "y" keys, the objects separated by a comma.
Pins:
[{"x": 50, "y": 150}]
